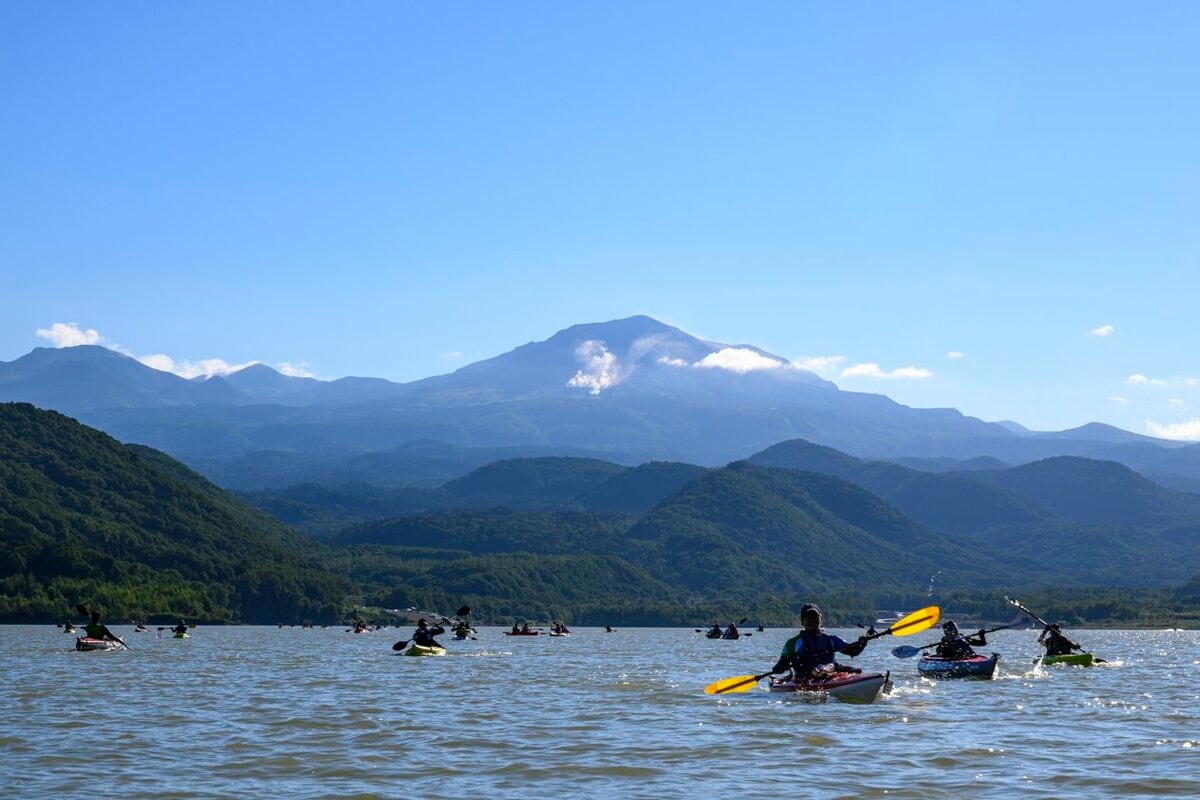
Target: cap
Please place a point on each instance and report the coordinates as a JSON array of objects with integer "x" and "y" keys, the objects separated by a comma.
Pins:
[{"x": 809, "y": 608}]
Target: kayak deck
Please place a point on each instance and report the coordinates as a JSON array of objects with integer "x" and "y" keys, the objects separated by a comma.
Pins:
[
  {"x": 848, "y": 687},
  {"x": 85, "y": 644},
  {"x": 1073, "y": 660},
  {"x": 976, "y": 667},
  {"x": 422, "y": 650}
]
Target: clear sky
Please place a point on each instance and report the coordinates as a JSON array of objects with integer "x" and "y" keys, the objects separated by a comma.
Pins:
[{"x": 395, "y": 189}]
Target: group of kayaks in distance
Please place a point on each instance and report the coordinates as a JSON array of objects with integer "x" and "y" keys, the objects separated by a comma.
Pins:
[{"x": 807, "y": 663}]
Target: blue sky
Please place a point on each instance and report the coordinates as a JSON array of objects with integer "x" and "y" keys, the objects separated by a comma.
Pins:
[{"x": 391, "y": 189}]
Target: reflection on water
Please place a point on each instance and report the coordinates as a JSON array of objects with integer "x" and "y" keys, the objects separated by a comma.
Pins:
[{"x": 241, "y": 712}]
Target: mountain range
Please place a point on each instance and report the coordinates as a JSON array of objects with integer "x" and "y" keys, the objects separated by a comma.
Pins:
[{"x": 629, "y": 390}]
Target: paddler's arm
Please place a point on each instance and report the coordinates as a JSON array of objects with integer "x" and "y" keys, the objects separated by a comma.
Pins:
[
  {"x": 978, "y": 639},
  {"x": 786, "y": 657},
  {"x": 852, "y": 649}
]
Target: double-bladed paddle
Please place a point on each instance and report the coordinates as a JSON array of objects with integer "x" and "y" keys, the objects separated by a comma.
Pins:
[
  {"x": 462, "y": 612},
  {"x": 908, "y": 651},
  {"x": 915, "y": 622},
  {"x": 1045, "y": 624}
]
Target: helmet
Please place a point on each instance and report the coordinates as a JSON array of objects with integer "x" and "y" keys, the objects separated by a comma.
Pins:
[{"x": 949, "y": 626}]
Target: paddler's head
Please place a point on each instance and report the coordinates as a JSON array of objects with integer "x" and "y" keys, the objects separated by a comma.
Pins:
[
  {"x": 810, "y": 617},
  {"x": 95, "y": 616},
  {"x": 949, "y": 628},
  {"x": 421, "y": 623}
]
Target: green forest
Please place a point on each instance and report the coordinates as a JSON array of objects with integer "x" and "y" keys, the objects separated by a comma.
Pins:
[{"x": 86, "y": 519}]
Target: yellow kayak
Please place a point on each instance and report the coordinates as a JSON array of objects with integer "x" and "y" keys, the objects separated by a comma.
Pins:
[
  {"x": 418, "y": 650},
  {"x": 183, "y": 636}
]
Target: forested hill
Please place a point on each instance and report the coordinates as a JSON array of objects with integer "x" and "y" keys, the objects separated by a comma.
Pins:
[{"x": 84, "y": 518}]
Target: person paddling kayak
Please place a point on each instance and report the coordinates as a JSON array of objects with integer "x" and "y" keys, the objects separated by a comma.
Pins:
[
  {"x": 955, "y": 646},
  {"x": 96, "y": 630},
  {"x": 714, "y": 632},
  {"x": 813, "y": 651},
  {"x": 424, "y": 634},
  {"x": 1055, "y": 642},
  {"x": 731, "y": 632},
  {"x": 180, "y": 628}
]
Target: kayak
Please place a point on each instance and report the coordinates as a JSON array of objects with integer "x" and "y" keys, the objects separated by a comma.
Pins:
[
  {"x": 364, "y": 630},
  {"x": 1074, "y": 660},
  {"x": 183, "y": 636},
  {"x": 980, "y": 667},
  {"x": 713, "y": 636},
  {"x": 848, "y": 687},
  {"x": 733, "y": 637},
  {"x": 84, "y": 643},
  {"x": 68, "y": 630},
  {"x": 420, "y": 650},
  {"x": 552, "y": 633},
  {"x": 458, "y": 638},
  {"x": 522, "y": 633}
]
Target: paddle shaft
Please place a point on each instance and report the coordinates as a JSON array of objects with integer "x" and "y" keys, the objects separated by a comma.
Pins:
[
  {"x": 989, "y": 630},
  {"x": 1044, "y": 623}
]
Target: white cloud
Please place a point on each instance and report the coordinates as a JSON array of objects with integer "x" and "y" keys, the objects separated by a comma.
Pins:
[
  {"x": 1138, "y": 379},
  {"x": 1175, "y": 403},
  {"x": 1103, "y": 330},
  {"x": 159, "y": 361},
  {"x": 69, "y": 334},
  {"x": 737, "y": 359},
  {"x": 453, "y": 355},
  {"x": 1121, "y": 401},
  {"x": 954, "y": 355},
  {"x": 294, "y": 370},
  {"x": 825, "y": 366},
  {"x": 600, "y": 370},
  {"x": 872, "y": 370},
  {"x": 1188, "y": 431},
  {"x": 672, "y": 362}
]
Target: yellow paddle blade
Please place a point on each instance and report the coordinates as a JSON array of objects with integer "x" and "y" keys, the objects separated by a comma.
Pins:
[
  {"x": 742, "y": 683},
  {"x": 915, "y": 622}
]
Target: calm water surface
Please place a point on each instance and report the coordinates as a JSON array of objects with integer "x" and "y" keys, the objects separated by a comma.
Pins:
[{"x": 264, "y": 712}]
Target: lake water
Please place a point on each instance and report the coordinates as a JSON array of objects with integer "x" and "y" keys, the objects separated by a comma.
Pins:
[{"x": 264, "y": 712}]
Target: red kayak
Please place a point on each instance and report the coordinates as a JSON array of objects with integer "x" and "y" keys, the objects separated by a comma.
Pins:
[
  {"x": 522, "y": 633},
  {"x": 849, "y": 687}
]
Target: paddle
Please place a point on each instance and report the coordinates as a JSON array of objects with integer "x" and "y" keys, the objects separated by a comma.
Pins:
[
  {"x": 82, "y": 609},
  {"x": 915, "y": 622},
  {"x": 908, "y": 651},
  {"x": 462, "y": 612}
]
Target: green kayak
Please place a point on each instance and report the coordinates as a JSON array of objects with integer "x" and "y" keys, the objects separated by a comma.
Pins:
[{"x": 1074, "y": 660}]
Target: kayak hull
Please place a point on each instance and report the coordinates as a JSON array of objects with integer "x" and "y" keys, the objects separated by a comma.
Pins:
[
  {"x": 975, "y": 668},
  {"x": 531, "y": 633},
  {"x": 552, "y": 633},
  {"x": 460, "y": 638},
  {"x": 848, "y": 687},
  {"x": 421, "y": 650},
  {"x": 1072, "y": 660},
  {"x": 182, "y": 636},
  {"x": 84, "y": 644}
]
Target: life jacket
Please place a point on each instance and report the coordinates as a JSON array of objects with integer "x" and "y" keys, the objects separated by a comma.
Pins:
[
  {"x": 812, "y": 650},
  {"x": 1057, "y": 645},
  {"x": 954, "y": 648},
  {"x": 94, "y": 630}
]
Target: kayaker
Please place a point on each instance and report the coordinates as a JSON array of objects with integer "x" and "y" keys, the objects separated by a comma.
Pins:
[
  {"x": 525, "y": 628},
  {"x": 1055, "y": 642},
  {"x": 96, "y": 630},
  {"x": 180, "y": 628},
  {"x": 813, "y": 651},
  {"x": 424, "y": 634},
  {"x": 608, "y": 628},
  {"x": 731, "y": 632},
  {"x": 955, "y": 646},
  {"x": 140, "y": 628},
  {"x": 462, "y": 630},
  {"x": 714, "y": 632},
  {"x": 516, "y": 629},
  {"x": 360, "y": 627},
  {"x": 68, "y": 627}
]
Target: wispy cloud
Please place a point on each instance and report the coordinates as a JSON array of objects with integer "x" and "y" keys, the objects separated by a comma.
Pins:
[
  {"x": 453, "y": 355},
  {"x": 1138, "y": 379},
  {"x": 668, "y": 361},
  {"x": 204, "y": 368},
  {"x": 295, "y": 370},
  {"x": 825, "y": 366},
  {"x": 954, "y": 355},
  {"x": 600, "y": 369},
  {"x": 69, "y": 334},
  {"x": 1119, "y": 400},
  {"x": 873, "y": 370},
  {"x": 738, "y": 359},
  {"x": 1183, "y": 431},
  {"x": 1175, "y": 403},
  {"x": 1104, "y": 330}
]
